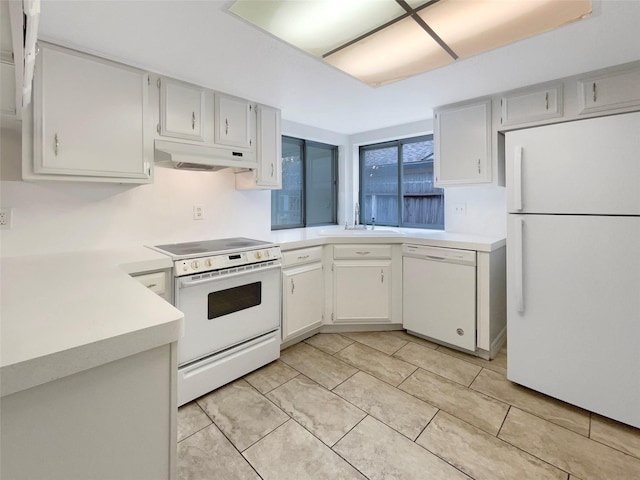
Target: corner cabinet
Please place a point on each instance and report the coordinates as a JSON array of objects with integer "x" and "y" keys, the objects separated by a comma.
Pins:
[
  {"x": 364, "y": 284},
  {"x": 89, "y": 121},
  {"x": 462, "y": 144},
  {"x": 302, "y": 288},
  {"x": 268, "y": 175}
]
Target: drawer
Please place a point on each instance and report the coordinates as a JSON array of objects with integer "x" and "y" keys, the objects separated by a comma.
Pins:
[
  {"x": 301, "y": 256},
  {"x": 361, "y": 252},
  {"x": 156, "y": 282}
]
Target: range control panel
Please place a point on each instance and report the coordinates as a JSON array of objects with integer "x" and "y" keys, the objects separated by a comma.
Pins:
[{"x": 222, "y": 261}]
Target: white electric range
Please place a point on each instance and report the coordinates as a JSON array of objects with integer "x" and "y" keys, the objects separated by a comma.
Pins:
[{"x": 230, "y": 293}]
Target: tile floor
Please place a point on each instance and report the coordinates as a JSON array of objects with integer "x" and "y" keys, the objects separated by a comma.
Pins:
[{"x": 387, "y": 405}]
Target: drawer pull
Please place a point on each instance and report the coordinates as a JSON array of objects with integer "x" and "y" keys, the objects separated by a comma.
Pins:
[
  {"x": 293, "y": 286},
  {"x": 151, "y": 285},
  {"x": 363, "y": 252},
  {"x": 303, "y": 257}
]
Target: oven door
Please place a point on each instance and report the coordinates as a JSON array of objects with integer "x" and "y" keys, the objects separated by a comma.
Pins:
[{"x": 224, "y": 309}]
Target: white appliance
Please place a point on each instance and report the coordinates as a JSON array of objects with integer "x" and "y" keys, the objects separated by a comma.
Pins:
[
  {"x": 439, "y": 294},
  {"x": 573, "y": 262},
  {"x": 230, "y": 293}
]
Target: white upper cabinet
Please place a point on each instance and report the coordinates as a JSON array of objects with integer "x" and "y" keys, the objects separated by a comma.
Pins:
[
  {"x": 609, "y": 91},
  {"x": 462, "y": 143},
  {"x": 89, "y": 120},
  {"x": 531, "y": 105},
  {"x": 181, "y": 110},
  {"x": 234, "y": 120},
  {"x": 7, "y": 87},
  {"x": 268, "y": 175}
]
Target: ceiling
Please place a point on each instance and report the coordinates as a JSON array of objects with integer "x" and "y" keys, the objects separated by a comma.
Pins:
[{"x": 201, "y": 42}]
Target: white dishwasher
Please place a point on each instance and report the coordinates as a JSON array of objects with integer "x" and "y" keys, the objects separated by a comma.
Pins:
[{"x": 439, "y": 294}]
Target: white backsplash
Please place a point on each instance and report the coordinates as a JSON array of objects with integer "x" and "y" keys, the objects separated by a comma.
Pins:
[
  {"x": 56, "y": 217},
  {"x": 485, "y": 210}
]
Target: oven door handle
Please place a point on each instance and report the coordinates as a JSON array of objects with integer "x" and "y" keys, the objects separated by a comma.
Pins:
[{"x": 183, "y": 283}]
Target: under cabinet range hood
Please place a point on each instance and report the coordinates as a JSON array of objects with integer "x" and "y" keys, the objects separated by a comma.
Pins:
[{"x": 187, "y": 156}]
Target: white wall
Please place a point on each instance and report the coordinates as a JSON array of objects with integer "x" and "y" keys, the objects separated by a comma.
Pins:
[
  {"x": 486, "y": 210},
  {"x": 67, "y": 216},
  {"x": 485, "y": 205}
]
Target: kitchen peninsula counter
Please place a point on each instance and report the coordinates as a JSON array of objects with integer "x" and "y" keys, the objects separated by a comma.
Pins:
[
  {"x": 68, "y": 312},
  {"x": 89, "y": 367}
]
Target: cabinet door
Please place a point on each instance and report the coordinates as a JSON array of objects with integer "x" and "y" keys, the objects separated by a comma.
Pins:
[
  {"x": 269, "y": 148},
  {"x": 233, "y": 118},
  {"x": 181, "y": 109},
  {"x": 463, "y": 144},
  {"x": 609, "y": 92},
  {"x": 531, "y": 105},
  {"x": 362, "y": 291},
  {"x": 302, "y": 299},
  {"x": 89, "y": 117}
]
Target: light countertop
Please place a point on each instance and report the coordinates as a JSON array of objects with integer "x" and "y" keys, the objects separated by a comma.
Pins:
[
  {"x": 65, "y": 313},
  {"x": 308, "y": 237}
]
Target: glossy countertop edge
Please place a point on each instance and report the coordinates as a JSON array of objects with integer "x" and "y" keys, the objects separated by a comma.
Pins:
[
  {"x": 292, "y": 239},
  {"x": 127, "y": 320}
]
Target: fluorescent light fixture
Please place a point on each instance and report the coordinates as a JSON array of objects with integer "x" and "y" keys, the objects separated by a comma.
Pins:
[{"x": 381, "y": 41}]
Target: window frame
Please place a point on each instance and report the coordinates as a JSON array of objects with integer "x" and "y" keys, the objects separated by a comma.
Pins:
[
  {"x": 305, "y": 144},
  {"x": 398, "y": 143}
]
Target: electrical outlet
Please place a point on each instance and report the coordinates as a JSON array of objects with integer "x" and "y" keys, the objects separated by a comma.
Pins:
[
  {"x": 5, "y": 218},
  {"x": 198, "y": 212},
  {"x": 460, "y": 209}
]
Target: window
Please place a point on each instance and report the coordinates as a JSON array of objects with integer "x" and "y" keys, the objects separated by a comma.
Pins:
[
  {"x": 396, "y": 184},
  {"x": 309, "y": 185}
]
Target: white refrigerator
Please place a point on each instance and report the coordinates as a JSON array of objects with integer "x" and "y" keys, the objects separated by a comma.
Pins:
[{"x": 573, "y": 262}]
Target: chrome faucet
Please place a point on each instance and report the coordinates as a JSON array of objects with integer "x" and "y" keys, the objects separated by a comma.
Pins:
[{"x": 356, "y": 215}]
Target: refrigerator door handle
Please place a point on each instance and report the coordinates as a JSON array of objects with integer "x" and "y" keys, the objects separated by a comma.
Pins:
[
  {"x": 517, "y": 179},
  {"x": 519, "y": 265}
]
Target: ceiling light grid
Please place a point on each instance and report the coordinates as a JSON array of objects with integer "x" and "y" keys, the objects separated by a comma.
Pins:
[{"x": 381, "y": 41}]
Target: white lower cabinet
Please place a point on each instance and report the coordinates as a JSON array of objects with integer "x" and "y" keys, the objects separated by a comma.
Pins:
[
  {"x": 302, "y": 288},
  {"x": 363, "y": 284},
  {"x": 362, "y": 291},
  {"x": 117, "y": 420}
]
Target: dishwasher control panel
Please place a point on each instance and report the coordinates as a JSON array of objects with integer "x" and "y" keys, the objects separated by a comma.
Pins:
[{"x": 438, "y": 254}]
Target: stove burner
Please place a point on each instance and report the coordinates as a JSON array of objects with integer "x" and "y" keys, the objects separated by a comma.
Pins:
[{"x": 209, "y": 247}]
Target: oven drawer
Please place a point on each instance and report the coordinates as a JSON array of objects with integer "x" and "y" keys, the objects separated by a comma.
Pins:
[
  {"x": 210, "y": 373},
  {"x": 301, "y": 256}
]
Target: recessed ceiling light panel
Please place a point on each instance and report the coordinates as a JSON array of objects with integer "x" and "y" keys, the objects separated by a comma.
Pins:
[{"x": 381, "y": 41}]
